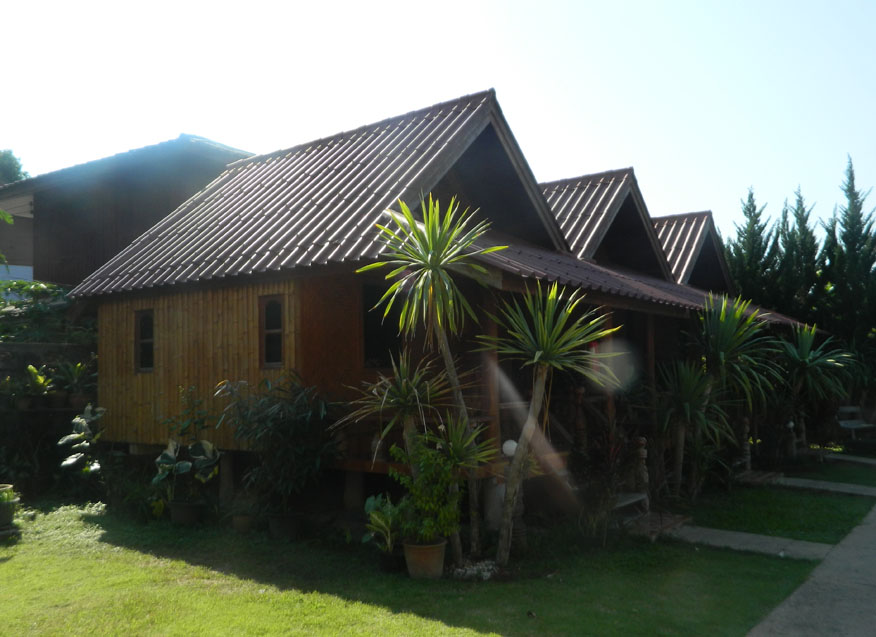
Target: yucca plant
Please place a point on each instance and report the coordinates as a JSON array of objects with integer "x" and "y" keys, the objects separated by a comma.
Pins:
[
  {"x": 549, "y": 333},
  {"x": 814, "y": 372},
  {"x": 688, "y": 406},
  {"x": 738, "y": 351},
  {"x": 423, "y": 257},
  {"x": 402, "y": 398}
]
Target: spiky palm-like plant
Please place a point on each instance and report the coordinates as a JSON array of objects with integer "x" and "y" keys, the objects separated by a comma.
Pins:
[
  {"x": 550, "y": 333},
  {"x": 738, "y": 352},
  {"x": 423, "y": 257},
  {"x": 688, "y": 406},
  {"x": 814, "y": 371},
  {"x": 402, "y": 398}
]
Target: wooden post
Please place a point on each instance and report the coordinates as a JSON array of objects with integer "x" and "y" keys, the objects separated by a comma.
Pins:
[{"x": 490, "y": 375}]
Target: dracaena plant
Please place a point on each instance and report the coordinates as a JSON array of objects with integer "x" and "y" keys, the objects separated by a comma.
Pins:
[
  {"x": 548, "y": 332},
  {"x": 83, "y": 440}
]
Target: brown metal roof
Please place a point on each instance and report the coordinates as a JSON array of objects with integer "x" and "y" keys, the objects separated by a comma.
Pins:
[
  {"x": 312, "y": 204},
  {"x": 683, "y": 238},
  {"x": 535, "y": 263},
  {"x": 585, "y": 206}
]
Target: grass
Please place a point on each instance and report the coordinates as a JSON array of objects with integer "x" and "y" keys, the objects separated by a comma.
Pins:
[
  {"x": 79, "y": 570},
  {"x": 799, "y": 515},
  {"x": 836, "y": 471}
]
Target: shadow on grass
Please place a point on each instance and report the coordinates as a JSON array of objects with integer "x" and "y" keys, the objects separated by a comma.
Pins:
[{"x": 563, "y": 586}]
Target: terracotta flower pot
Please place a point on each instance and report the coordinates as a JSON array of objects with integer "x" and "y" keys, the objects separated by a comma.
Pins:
[
  {"x": 242, "y": 522},
  {"x": 425, "y": 561}
]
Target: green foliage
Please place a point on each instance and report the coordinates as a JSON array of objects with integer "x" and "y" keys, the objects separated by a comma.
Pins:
[
  {"x": 192, "y": 418},
  {"x": 382, "y": 525},
  {"x": 422, "y": 257},
  {"x": 36, "y": 312},
  {"x": 430, "y": 510},
  {"x": 10, "y": 168},
  {"x": 753, "y": 256},
  {"x": 737, "y": 349},
  {"x": 815, "y": 371},
  {"x": 462, "y": 446},
  {"x": 203, "y": 466},
  {"x": 286, "y": 424},
  {"x": 76, "y": 378},
  {"x": 549, "y": 330},
  {"x": 84, "y": 438},
  {"x": 795, "y": 294},
  {"x": 409, "y": 392},
  {"x": 38, "y": 382},
  {"x": 686, "y": 397}
]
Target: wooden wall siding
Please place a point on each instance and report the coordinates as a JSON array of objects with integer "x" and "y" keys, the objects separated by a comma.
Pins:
[
  {"x": 16, "y": 241},
  {"x": 201, "y": 337}
]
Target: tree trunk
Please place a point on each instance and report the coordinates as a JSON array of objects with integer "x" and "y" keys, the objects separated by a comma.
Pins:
[
  {"x": 678, "y": 463},
  {"x": 518, "y": 466},
  {"x": 409, "y": 432},
  {"x": 473, "y": 483}
]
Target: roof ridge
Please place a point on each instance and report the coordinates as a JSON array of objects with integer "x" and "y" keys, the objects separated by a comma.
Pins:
[
  {"x": 489, "y": 93},
  {"x": 590, "y": 177},
  {"x": 679, "y": 215}
]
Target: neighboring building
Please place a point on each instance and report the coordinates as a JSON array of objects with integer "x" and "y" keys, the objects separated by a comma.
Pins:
[
  {"x": 255, "y": 275},
  {"x": 71, "y": 221}
]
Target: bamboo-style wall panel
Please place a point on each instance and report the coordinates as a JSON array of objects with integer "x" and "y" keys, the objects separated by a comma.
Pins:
[{"x": 201, "y": 337}]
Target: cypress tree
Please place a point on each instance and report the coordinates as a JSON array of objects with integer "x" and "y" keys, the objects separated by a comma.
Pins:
[{"x": 753, "y": 256}]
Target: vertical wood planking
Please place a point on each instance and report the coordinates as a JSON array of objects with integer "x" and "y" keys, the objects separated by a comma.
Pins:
[{"x": 201, "y": 337}]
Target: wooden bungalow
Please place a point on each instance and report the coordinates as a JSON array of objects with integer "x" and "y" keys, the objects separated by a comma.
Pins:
[
  {"x": 255, "y": 275},
  {"x": 71, "y": 221}
]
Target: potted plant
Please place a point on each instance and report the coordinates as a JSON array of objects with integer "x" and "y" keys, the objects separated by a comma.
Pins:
[
  {"x": 186, "y": 507},
  {"x": 382, "y": 531},
  {"x": 78, "y": 380},
  {"x": 8, "y": 504},
  {"x": 430, "y": 510},
  {"x": 284, "y": 423}
]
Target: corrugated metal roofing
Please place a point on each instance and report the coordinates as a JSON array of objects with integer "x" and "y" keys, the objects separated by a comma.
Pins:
[
  {"x": 585, "y": 206},
  {"x": 312, "y": 204},
  {"x": 682, "y": 238},
  {"x": 226, "y": 154},
  {"x": 534, "y": 263}
]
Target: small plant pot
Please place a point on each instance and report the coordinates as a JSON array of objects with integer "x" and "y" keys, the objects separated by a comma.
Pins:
[
  {"x": 23, "y": 403},
  {"x": 187, "y": 513},
  {"x": 7, "y": 512},
  {"x": 58, "y": 399},
  {"x": 425, "y": 561},
  {"x": 284, "y": 527},
  {"x": 242, "y": 522}
]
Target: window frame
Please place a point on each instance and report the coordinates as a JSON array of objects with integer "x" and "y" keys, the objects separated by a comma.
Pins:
[
  {"x": 140, "y": 341},
  {"x": 264, "y": 332}
]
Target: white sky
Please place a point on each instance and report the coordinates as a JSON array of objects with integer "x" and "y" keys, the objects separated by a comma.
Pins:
[{"x": 703, "y": 99}]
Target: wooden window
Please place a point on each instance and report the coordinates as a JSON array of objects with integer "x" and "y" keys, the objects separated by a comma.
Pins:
[
  {"x": 270, "y": 331},
  {"x": 144, "y": 341}
]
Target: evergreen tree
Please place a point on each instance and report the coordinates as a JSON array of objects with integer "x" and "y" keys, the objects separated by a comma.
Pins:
[
  {"x": 847, "y": 261},
  {"x": 797, "y": 270},
  {"x": 10, "y": 168},
  {"x": 753, "y": 257}
]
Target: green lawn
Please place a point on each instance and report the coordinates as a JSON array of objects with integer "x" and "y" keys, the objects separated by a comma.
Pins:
[
  {"x": 78, "y": 570},
  {"x": 836, "y": 471},
  {"x": 800, "y": 515}
]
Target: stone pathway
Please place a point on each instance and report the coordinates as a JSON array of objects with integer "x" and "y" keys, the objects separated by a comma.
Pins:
[
  {"x": 841, "y": 457},
  {"x": 838, "y": 596},
  {"x": 737, "y": 540}
]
